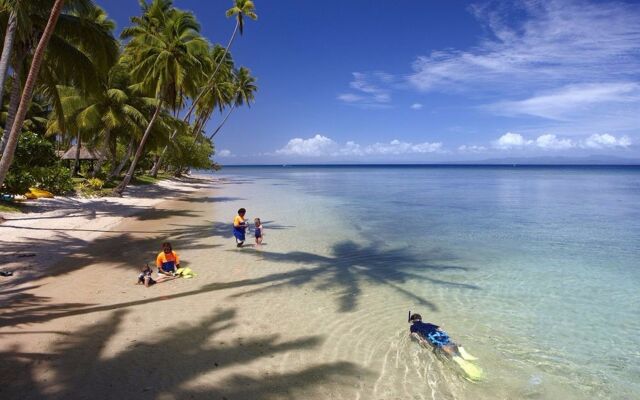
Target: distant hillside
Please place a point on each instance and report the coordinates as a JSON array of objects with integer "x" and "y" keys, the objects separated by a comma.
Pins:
[{"x": 588, "y": 160}]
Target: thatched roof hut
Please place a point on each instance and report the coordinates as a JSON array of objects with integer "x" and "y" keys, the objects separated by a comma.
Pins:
[{"x": 85, "y": 154}]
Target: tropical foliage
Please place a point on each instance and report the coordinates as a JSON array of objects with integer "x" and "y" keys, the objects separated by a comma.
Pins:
[{"x": 141, "y": 102}]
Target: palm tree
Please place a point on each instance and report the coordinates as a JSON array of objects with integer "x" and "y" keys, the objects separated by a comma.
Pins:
[
  {"x": 166, "y": 60},
  {"x": 218, "y": 94},
  {"x": 239, "y": 10},
  {"x": 9, "y": 36},
  {"x": 83, "y": 34},
  {"x": 27, "y": 92},
  {"x": 245, "y": 89}
]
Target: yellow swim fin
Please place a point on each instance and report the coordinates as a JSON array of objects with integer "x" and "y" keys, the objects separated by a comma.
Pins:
[
  {"x": 466, "y": 355},
  {"x": 471, "y": 371}
]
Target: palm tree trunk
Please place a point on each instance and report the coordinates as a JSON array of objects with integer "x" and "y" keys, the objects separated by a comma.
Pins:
[
  {"x": 103, "y": 154},
  {"x": 7, "y": 49},
  {"x": 156, "y": 163},
  {"x": 127, "y": 178},
  {"x": 76, "y": 163},
  {"x": 206, "y": 87},
  {"x": 27, "y": 93},
  {"x": 118, "y": 169},
  {"x": 233, "y": 107},
  {"x": 14, "y": 102},
  {"x": 156, "y": 166}
]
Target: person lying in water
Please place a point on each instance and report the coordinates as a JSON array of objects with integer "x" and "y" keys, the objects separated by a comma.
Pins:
[
  {"x": 428, "y": 334},
  {"x": 431, "y": 335}
]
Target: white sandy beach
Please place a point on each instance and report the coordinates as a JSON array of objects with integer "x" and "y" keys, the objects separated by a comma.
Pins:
[{"x": 74, "y": 324}]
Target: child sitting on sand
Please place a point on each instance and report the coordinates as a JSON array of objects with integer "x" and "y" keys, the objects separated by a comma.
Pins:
[
  {"x": 145, "y": 276},
  {"x": 258, "y": 230},
  {"x": 239, "y": 227},
  {"x": 167, "y": 261}
]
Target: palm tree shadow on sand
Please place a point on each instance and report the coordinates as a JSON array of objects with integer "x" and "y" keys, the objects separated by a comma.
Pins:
[
  {"x": 166, "y": 363},
  {"x": 351, "y": 264}
]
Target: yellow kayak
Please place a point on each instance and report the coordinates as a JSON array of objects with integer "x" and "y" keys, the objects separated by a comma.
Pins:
[{"x": 35, "y": 193}]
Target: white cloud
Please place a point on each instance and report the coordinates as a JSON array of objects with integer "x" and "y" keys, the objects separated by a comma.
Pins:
[
  {"x": 471, "y": 149},
  {"x": 557, "y": 41},
  {"x": 548, "y": 141},
  {"x": 323, "y": 146},
  {"x": 561, "y": 103},
  {"x": 224, "y": 153},
  {"x": 313, "y": 147},
  {"x": 372, "y": 90},
  {"x": 551, "y": 142},
  {"x": 396, "y": 147},
  {"x": 416, "y": 106},
  {"x": 511, "y": 140},
  {"x": 350, "y": 97},
  {"x": 605, "y": 140}
]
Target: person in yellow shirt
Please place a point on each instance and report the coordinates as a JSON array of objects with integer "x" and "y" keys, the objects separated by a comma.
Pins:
[
  {"x": 239, "y": 227},
  {"x": 167, "y": 261}
]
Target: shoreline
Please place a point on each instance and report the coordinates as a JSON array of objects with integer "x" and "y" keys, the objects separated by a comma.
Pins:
[{"x": 25, "y": 237}]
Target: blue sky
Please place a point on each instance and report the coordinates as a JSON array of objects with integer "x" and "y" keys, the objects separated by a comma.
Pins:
[{"x": 428, "y": 81}]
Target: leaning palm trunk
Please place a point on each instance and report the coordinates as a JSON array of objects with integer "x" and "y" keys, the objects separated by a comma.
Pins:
[
  {"x": 27, "y": 93},
  {"x": 103, "y": 154},
  {"x": 156, "y": 166},
  {"x": 208, "y": 85},
  {"x": 14, "y": 102},
  {"x": 7, "y": 49},
  {"x": 118, "y": 169},
  {"x": 233, "y": 106},
  {"x": 127, "y": 178}
]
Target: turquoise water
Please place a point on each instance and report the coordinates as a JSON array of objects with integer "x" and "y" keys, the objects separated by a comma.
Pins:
[{"x": 535, "y": 269}]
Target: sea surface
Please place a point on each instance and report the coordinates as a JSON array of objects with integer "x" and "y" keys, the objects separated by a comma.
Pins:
[{"x": 536, "y": 270}]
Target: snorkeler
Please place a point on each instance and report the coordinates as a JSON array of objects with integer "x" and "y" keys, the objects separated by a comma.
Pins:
[{"x": 430, "y": 335}]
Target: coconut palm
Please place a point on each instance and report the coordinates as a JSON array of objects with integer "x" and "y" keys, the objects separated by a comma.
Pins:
[
  {"x": 166, "y": 60},
  {"x": 245, "y": 89},
  {"x": 27, "y": 93},
  {"x": 101, "y": 115},
  {"x": 239, "y": 10},
  {"x": 83, "y": 33},
  {"x": 219, "y": 93}
]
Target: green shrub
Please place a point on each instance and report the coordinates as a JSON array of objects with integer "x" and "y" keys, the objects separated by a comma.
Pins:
[
  {"x": 94, "y": 183},
  {"x": 18, "y": 181},
  {"x": 36, "y": 165},
  {"x": 55, "y": 179}
]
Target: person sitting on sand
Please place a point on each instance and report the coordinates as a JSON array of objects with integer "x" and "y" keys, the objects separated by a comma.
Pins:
[
  {"x": 145, "y": 276},
  {"x": 167, "y": 261},
  {"x": 258, "y": 230},
  {"x": 239, "y": 227}
]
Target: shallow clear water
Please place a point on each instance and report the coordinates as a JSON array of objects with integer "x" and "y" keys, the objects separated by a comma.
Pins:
[{"x": 535, "y": 269}]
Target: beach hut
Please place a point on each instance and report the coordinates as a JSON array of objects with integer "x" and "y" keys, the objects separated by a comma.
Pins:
[{"x": 86, "y": 154}]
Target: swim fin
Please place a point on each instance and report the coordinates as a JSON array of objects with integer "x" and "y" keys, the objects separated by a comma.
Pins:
[
  {"x": 466, "y": 355},
  {"x": 472, "y": 371}
]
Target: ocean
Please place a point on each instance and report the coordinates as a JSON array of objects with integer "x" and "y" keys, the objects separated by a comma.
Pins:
[{"x": 535, "y": 269}]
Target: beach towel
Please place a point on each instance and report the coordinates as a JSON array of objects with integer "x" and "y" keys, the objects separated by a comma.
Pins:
[{"x": 186, "y": 273}]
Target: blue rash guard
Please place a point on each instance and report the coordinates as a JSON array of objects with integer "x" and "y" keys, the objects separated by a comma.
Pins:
[{"x": 431, "y": 333}]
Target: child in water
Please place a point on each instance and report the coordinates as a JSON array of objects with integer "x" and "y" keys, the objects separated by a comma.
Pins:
[
  {"x": 145, "y": 276},
  {"x": 258, "y": 231}
]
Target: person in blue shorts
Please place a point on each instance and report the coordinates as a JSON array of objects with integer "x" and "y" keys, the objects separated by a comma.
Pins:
[
  {"x": 239, "y": 227},
  {"x": 430, "y": 334}
]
